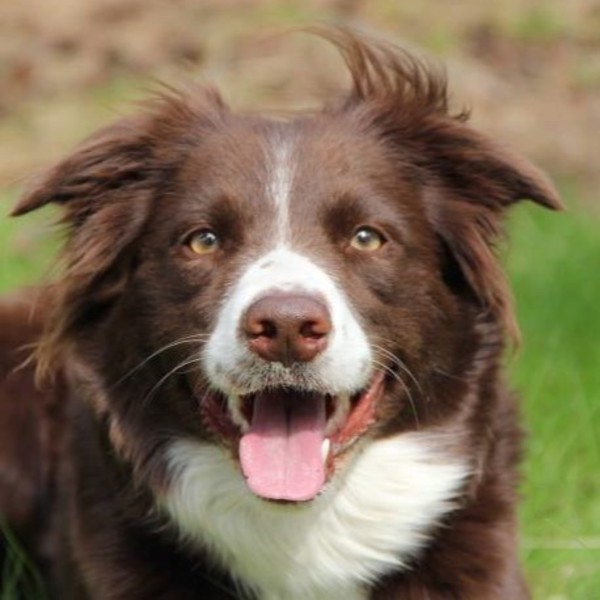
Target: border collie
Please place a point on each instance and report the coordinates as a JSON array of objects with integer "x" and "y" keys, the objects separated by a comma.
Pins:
[{"x": 271, "y": 368}]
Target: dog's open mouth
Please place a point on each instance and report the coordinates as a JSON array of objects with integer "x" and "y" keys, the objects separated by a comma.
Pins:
[{"x": 287, "y": 439}]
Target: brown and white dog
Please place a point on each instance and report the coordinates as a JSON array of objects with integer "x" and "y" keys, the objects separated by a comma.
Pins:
[{"x": 276, "y": 354}]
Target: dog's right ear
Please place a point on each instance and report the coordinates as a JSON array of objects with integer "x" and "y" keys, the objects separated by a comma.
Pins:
[
  {"x": 122, "y": 158},
  {"x": 106, "y": 186},
  {"x": 105, "y": 190},
  {"x": 112, "y": 159}
]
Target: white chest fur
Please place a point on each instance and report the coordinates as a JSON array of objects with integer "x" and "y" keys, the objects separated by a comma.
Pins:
[{"x": 371, "y": 519}]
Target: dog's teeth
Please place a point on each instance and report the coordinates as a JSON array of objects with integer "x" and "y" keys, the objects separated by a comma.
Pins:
[{"x": 325, "y": 449}]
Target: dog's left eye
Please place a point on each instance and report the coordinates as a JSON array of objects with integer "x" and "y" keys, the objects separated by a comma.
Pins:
[
  {"x": 203, "y": 241},
  {"x": 367, "y": 239}
]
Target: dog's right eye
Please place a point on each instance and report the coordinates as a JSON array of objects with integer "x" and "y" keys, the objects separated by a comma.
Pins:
[
  {"x": 367, "y": 239},
  {"x": 203, "y": 241}
]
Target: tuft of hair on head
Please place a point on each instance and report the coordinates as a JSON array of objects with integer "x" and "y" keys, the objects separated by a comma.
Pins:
[
  {"x": 382, "y": 72},
  {"x": 468, "y": 180}
]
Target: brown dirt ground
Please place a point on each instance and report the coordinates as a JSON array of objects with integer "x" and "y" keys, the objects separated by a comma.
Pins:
[{"x": 530, "y": 70}]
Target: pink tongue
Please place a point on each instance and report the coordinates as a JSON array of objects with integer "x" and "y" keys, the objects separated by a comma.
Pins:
[{"x": 281, "y": 454}]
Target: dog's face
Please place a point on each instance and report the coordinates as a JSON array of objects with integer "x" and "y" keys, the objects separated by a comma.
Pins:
[
  {"x": 285, "y": 290},
  {"x": 294, "y": 263}
]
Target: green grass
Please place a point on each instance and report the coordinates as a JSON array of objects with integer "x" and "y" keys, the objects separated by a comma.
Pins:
[
  {"x": 27, "y": 246},
  {"x": 539, "y": 23},
  {"x": 553, "y": 263},
  {"x": 19, "y": 577},
  {"x": 554, "y": 267}
]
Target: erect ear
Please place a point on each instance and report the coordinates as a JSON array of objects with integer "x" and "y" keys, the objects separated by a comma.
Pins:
[{"x": 474, "y": 182}]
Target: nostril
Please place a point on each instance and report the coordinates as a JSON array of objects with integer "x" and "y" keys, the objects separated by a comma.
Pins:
[
  {"x": 287, "y": 328},
  {"x": 269, "y": 329},
  {"x": 260, "y": 328},
  {"x": 315, "y": 329}
]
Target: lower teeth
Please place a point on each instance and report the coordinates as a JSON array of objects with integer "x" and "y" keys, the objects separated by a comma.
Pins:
[{"x": 325, "y": 449}]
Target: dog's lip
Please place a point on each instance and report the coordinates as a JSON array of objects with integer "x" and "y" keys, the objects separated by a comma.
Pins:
[
  {"x": 345, "y": 426},
  {"x": 361, "y": 416}
]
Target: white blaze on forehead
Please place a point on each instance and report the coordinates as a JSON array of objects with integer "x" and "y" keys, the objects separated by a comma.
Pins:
[
  {"x": 281, "y": 175},
  {"x": 343, "y": 368}
]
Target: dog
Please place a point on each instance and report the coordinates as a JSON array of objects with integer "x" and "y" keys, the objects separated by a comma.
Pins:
[{"x": 272, "y": 366}]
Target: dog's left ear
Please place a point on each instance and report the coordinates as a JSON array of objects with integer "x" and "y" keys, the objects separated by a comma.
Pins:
[
  {"x": 472, "y": 182},
  {"x": 469, "y": 164},
  {"x": 467, "y": 181}
]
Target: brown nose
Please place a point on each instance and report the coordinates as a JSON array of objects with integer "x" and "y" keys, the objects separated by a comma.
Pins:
[{"x": 287, "y": 328}]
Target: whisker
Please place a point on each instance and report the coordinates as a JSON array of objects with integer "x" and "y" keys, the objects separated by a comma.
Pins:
[
  {"x": 399, "y": 379},
  {"x": 450, "y": 375},
  {"x": 184, "y": 340},
  {"x": 184, "y": 363},
  {"x": 400, "y": 363}
]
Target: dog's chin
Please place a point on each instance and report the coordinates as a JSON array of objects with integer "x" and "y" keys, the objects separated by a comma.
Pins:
[{"x": 288, "y": 441}]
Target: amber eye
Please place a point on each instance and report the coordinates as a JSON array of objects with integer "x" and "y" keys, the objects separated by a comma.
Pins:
[
  {"x": 367, "y": 239},
  {"x": 203, "y": 241}
]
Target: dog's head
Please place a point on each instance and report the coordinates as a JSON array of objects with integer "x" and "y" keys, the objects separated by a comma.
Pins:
[{"x": 284, "y": 289}]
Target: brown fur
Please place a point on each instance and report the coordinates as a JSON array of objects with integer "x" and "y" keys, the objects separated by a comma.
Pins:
[{"x": 436, "y": 296}]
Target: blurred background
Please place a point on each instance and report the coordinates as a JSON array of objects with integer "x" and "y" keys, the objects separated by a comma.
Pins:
[{"x": 530, "y": 72}]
